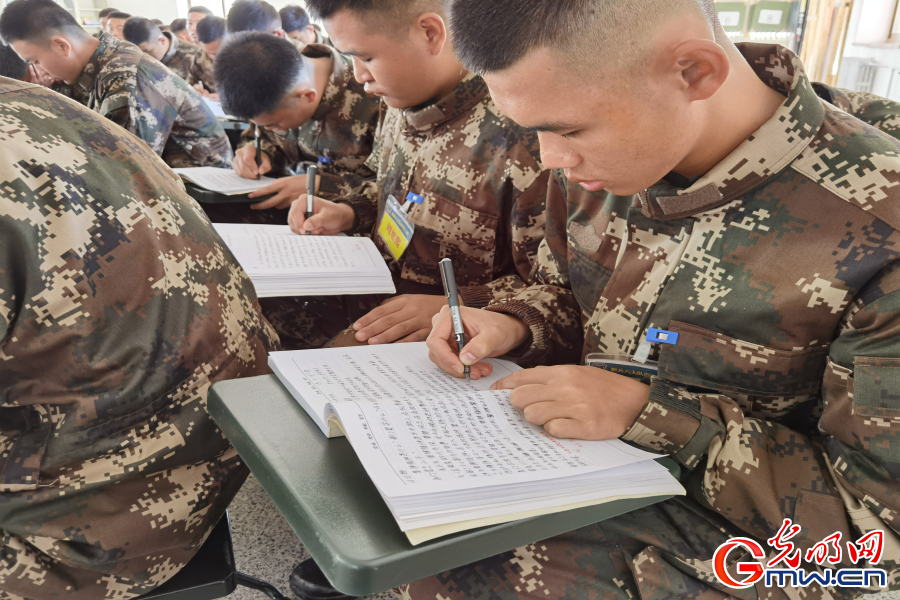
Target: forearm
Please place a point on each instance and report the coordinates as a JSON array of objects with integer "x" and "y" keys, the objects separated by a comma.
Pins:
[{"x": 364, "y": 202}]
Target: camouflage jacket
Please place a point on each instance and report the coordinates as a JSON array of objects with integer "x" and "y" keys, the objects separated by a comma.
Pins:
[
  {"x": 341, "y": 129},
  {"x": 484, "y": 191},
  {"x": 780, "y": 271},
  {"x": 203, "y": 71},
  {"x": 119, "y": 305},
  {"x": 180, "y": 56},
  {"x": 136, "y": 91},
  {"x": 878, "y": 112}
]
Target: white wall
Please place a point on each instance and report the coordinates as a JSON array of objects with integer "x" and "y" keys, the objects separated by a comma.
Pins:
[
  {"x": 887, "y": 78},
  {"x": 169, "y": 10}
]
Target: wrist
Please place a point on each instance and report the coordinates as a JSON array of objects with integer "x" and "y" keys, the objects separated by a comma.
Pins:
[{"x": 346, "y": 215}]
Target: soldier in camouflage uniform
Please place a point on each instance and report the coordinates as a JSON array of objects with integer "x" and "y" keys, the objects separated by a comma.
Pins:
[
  {"x": 777, "y": 267},
  {"x": 478, "y": 172},
  {"x": 211, "y": 34},
  {"x": 318, "y": 110},
  {"x": 121, "y": 83},
  {"x": 165, "y": 47},
  {"x": 878, "y": 112},
  {"x": 119, "y": 306}
]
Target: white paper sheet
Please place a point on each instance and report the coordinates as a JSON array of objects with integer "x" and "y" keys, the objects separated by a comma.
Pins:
[
  {"x": 216, "y": 107},
  {"x": 319, "y": 377},
  {"x": 222, "y": 181}
]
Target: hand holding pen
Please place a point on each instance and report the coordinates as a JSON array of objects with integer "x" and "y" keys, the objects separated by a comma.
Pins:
[
  {"x": 258, "y": 152},
  {"x": 453, "y": 300},
  {"x": 310, "y": 190}
]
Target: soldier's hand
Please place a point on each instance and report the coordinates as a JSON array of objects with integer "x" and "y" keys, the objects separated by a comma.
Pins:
[
  {"x": 488, "y": 334},
  {"x": 286, "y": 190},
  {"x": 584, "y": 403},
  {"x": 329, "y": 218},
  {"x": 406, "y": 318},
  {"x": 245, "y": 163}
]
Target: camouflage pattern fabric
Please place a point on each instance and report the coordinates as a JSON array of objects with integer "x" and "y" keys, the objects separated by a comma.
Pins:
[
  {"x": 484, "y": 191},
  {"x": 136, "y": 91},
  {"x": 203, "y": 71},
  {"x": 341, "y": 129},
  {"x": 119, "y": 306},
  {"x": 878, "y": 112},
  {"x": 180, "y": 56},
  {"x": 779, "y": 270}
]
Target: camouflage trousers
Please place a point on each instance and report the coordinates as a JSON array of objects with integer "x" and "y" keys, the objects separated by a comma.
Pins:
[{"x": 654, "y": 553}]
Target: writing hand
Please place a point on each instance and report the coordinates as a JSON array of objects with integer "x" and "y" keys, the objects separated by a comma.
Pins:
[
  {"x": 245, "y": 163},
  {"x": 329, "y": 218},
  {"x": 488, "y": 334}
]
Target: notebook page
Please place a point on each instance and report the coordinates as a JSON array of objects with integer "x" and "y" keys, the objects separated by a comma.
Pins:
[
  {"x": 376, "y": 373},
  {"x": 216, "y": 107},
  {"x": 223, "y": 181},
  {"x": 413, "y": 446},
  {"x": 280, "y": 254}
]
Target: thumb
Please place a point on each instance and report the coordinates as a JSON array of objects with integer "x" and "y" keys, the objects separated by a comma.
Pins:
[{"x": 317, "y": 222}]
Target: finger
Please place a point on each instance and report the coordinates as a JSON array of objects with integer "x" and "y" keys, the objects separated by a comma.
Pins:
[
  {"x": 266, "y": 166},
  {"x": 572, "y": 429},
  {"x": 524, "y": 377},
  {"x": 273, "y": 202},
  {"x": 439, "y": 348},
  {"x": 392, "y": 334},
  {"x": 375, "y": 315},
  {"x": 272, "y": 188},
  {"x": 526, "y": 395},
  {"x": 296, "y": 219},
  {"x": 540, "y": 413},
  {"x": 416, "y": 336}
]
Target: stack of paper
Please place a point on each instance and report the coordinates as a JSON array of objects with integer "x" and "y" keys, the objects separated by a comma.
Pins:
[
  {"x": 449, "y": 455},
  {"x": 281, "y": 263},
  {"x": 222, "y": 181}
]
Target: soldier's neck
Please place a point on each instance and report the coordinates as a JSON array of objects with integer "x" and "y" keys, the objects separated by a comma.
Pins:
[
  {"x": 322, "y": 69},
  {"x": 82, "y": 51}
]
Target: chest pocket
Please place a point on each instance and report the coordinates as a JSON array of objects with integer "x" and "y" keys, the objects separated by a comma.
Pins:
[
  {"x": 764, "y": 381},
  {"x": 588, "y": 280},
  {"x": 445, "y": 229}
]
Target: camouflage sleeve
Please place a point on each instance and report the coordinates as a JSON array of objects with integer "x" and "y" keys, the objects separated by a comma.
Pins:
[
  {"x": 548, "y": 306},
  {"x": 364, "y": 197},
  {"x": 881, "y": 113},
  {"x": 283, "y": 152},
  {"x": 525, "y": 232},
  {"x": 757, "y": 472}
]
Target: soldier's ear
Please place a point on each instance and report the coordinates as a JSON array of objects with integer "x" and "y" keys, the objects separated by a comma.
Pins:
[
  {"x": 280, "y": 33},
  {"x": 61, "y": 46},
  {"x": 432, "y": 30},
  {"x": 698, "y": 67}
]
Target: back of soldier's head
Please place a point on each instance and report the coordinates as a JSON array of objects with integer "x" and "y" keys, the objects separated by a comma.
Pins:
[
  {"x": 107, "y": 11},
  {"x": 36, "y": 21},
  {"x": 254, "y": 71},
  {"x": 293, "y": 18},
  {"x": 253, "y": 15},
  {"x": 609, "y": 35},
  {"x": 139, "y": 30},
  {"x": 386, "y": 14},
  {"x": 211, "y": 29},
  {"x": 11, "y": 65},
  {"x": 177, "y": 26}
]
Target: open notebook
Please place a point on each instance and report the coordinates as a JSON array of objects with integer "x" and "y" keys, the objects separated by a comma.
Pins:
[
  {"x": 447, "y": 455},
  {"x": 221, "y": 181},
  {"x": 282, "y": 263}
]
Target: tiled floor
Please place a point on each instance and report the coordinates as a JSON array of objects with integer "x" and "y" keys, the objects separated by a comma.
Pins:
[{"x": 266, "y": 548}]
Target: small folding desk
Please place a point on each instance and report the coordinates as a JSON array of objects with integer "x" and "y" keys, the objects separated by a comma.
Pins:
[{"x": 326, "y": 497}]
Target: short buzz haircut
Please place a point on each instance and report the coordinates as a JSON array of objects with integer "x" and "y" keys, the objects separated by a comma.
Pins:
[
  {"x": 394, "y": 10},
  {"x": 293, "y": 18},
  {"x": 106, "y": 12},
  {"x": 139, "y": 30},
  {"x": 253, "y": 15},
  {"x": 178, "y": 25},
  {"x": 254, "y": 71},
  {"x": 612, "y": 34},
  {"x": 200, "y": 9},
  {"x": 11, "y": 65},
  {"x": 210, "y": 29},
  {"x": 35, "y": 21},
  {"x": 118, "y": 15}
]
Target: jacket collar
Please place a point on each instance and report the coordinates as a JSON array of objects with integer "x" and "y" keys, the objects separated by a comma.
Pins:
[
  {"x": 760, "y": 157},
  {"x": 101, "y": 56},
  {"x": 470, "y": 91},
  {"x": 173, "y": 47}
]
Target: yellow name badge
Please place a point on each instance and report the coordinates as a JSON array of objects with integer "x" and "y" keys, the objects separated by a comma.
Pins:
[{"x": 395, "y": 229}]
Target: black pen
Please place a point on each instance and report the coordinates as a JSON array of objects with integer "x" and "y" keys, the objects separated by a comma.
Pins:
[
  {"x": 453, "y": 300},
  {"x": 258, "y": 153},
  {"x": 310, "y": 190}
]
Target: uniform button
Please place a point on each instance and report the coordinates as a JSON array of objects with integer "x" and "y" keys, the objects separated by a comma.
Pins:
[{"x": 188, "y": 147}]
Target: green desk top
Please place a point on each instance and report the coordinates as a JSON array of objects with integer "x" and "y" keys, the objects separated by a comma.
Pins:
[{"x": 331, "y": 504}]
